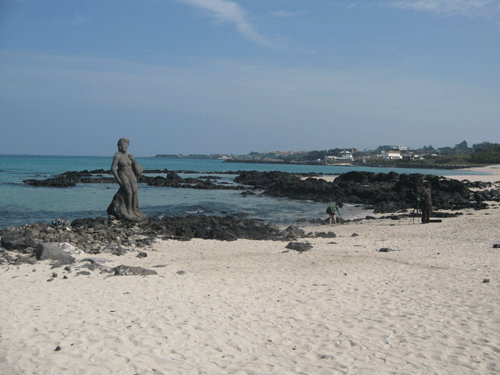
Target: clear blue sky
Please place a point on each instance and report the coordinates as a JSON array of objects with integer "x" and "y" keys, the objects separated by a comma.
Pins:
[{"x": 218, "y": 76}]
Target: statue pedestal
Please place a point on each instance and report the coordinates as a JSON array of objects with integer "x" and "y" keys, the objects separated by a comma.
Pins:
[{"x": 118, "y": 208}]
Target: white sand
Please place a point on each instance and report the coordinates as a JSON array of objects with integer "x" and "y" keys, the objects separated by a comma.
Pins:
[
  {"x": 252, "y": 307},
  {"x": 491, "y": 174}
]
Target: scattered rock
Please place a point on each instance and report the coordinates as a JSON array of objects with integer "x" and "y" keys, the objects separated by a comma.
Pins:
[
  {"x": 118, "y": 251},
  {"x": 22, "y": 260},
  {"x": 47, "y": 250},
  {"x": 84, "y": 273},
  {"x": 142, "y": 254},
  {"x": 293, "y": 232},
  {"x": 355, "y": 235},
  {"x": 17, "y": 242},
  {"x": 61, "y": 222},
  {"x": 486, "y": 281},
  {"x": 325, "y": 235},
  {"x": 133, "y": 271},
  {"x": 385, "y": 250},
  {"x": 181, "y": 272},
  {"x": 496, "y": 246},
  {"x": 299, "y": 246}
]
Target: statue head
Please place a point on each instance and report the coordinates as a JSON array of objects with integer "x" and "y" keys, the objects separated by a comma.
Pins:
[{"x": 123, "y": 141}]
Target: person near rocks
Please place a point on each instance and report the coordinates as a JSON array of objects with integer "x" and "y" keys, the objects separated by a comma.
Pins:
[
  {"x": 126, "y": 170},
  {"x": 426, "y": 202},
  {"x": 333, "y": 211}
]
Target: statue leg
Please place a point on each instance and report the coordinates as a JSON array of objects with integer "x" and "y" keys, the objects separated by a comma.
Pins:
[
  {"x": 136, "y": 211},
  {"x": 128, "y": 198}
]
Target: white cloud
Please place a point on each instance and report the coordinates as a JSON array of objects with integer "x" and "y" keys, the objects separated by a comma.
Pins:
[
  {"x": 284, "y": 13},
  {"x": 231, "y": 12},
  {"x": 77, "y": 21},
  {"x": 488, "y": 9}
]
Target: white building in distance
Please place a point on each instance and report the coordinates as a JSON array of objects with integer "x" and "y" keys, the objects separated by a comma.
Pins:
[{"x": 391, "y": 154}]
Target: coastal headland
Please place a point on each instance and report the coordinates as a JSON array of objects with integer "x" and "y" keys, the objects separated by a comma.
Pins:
[{"x": 382, "y": 295}]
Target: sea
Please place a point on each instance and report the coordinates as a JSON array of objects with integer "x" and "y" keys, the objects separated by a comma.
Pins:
[{"x": 24, "y": 204}]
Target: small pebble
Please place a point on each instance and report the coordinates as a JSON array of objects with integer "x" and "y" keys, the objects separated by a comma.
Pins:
[
  {"x": 486, "y": 281},
  {"x": 57, "y": 348},
  {"x": 385, "y": 250}
]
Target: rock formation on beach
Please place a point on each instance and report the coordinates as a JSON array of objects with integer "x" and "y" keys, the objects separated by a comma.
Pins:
[
  {"x": 100, "y": 235},
  {"x": 385, "y": 192}
]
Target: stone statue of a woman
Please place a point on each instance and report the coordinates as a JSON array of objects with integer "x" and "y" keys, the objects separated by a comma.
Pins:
[{"x": 125, "y": 204}]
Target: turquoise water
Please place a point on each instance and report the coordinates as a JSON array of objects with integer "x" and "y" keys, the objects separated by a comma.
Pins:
[{"x": 21, "y": 203}]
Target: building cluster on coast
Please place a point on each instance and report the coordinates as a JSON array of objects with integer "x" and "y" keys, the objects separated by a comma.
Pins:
[
  {"x": 343, "y": 155},
  {"x": 458, "y": 156}
]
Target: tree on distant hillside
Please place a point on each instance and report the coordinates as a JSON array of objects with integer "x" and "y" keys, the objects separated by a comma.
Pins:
[
  {"x": 462, "y": 148},
  {"x": 315, "y": 155},
  {"x": 488, "y": 155},
  {"x": 334, "y": 152},
  {"x": 429, "y": 150},
  {"x": 444, "y": 151},
  {"x": 476, "y": 147}
]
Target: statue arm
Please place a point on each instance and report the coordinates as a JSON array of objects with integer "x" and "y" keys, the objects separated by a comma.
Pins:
[{"x": 116, "y": 158}]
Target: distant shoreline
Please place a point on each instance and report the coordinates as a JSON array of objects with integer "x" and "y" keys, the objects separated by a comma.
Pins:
[{"x": 348, "y": 164}]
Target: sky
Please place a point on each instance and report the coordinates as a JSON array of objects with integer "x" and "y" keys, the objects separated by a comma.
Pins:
[{"x": 232, "y": 77}]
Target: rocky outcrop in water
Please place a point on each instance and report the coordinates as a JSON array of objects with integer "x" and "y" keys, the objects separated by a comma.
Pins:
[
  {"x": 385, "y": 192},
  {"x": 389, "y": 192},
  {"x": 100, "y": 176}
]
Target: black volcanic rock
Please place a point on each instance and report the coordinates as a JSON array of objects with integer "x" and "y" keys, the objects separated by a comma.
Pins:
[
  {"x": 133, "y": 271},
  {"x": 389, "y": 192},
  {"x": 50, "y": 251},
  {"x": 385, "y": 192},
  {"x": 17, "y": 241},
  {"x": 299, "y": 246}
]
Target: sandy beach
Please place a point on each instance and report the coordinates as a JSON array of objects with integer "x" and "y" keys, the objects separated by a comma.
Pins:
[
  {"x": 490, "y": 174},
  {"x": 428, "y": 303}
]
